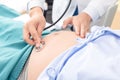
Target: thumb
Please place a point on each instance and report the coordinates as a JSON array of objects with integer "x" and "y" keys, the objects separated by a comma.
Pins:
[
  {"x": 40, "y": 30},
  {"x": 66, "y": 22},
  {"x": 35, "y": 36}
]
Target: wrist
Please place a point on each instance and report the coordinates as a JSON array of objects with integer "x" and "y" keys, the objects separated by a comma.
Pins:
[
  {"x": 35, "y": 3},
  {"x": 92, "y": 12},
  {"x": 36, "y": 11},
  {"x": 87, "y": 16}
]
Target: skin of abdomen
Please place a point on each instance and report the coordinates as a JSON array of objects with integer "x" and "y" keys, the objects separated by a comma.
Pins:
[{"x": 55, "y": 43}]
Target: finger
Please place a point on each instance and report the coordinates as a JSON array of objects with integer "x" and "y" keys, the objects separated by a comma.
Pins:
[
  {"x": 40, "y": 29},
  {"x": 26, "y": 37},
  {"x": 77, "y": 26},
  {"x": 66, "y": 22},
  {"x": 83, "y": 31},
  {"x": 34, "y": 35}
]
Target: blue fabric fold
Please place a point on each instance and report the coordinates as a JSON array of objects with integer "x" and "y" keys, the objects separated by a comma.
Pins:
[{"x": 97, "y": 57}]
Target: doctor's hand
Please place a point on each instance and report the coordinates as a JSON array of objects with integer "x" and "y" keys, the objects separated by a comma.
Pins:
[
  {"x": 32, "y": 30},
  {"x": 81, "y": 23}
]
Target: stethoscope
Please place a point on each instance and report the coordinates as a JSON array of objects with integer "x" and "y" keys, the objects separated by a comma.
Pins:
[
  {"x": 42, "y": 42},
  {"x": 60, "y": 16}
]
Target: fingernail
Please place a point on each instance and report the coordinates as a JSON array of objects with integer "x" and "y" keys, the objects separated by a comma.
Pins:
[
  {"x": 82, "y": 36},
  {"x": 37, "y": 45},
  {"x": 77, "y": 33}
]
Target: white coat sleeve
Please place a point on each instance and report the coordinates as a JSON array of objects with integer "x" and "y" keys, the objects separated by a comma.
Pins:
[
  {"x": 97, "y": 8},
  {"x": 35, "y": 3}
]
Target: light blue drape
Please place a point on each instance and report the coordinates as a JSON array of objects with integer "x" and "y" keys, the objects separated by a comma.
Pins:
[{"x": 14, "y": 51}]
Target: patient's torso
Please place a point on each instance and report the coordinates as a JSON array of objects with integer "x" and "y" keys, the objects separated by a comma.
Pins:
[{"x": 55, "y": 43}]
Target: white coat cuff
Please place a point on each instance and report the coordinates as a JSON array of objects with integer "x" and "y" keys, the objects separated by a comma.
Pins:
[
  {"x": 35, "y": 3},
  {"x": 92, "y": 12}
]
